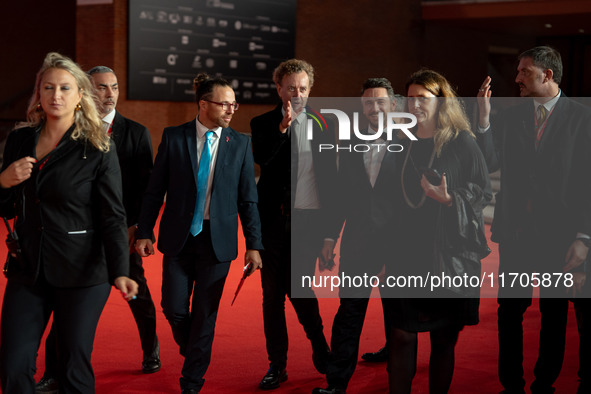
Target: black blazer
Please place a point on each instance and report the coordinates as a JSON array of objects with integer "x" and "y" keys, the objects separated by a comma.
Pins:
[
  {"x": 369, "y": 212},
  {"x": 134, "y": 150},
  {"x": 233, "y": 193},
  {"x": 70, "y": 215},
  {"x": 554, "y": 178},
  {"x": 272, "y": 151}
]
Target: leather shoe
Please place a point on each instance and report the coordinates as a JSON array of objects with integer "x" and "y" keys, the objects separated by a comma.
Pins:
[
  {"x": 190, "y": 391},
  {"x": 273, "y": 379},
  {"x": 47, "y": 386},
  {"x": 381, "y": 356},
  {"x": 151, "y": 362},
  {"x": 151, "y": 365},
  {"x": 320, "y": 359},
  {"x": 329, "y": 390}
]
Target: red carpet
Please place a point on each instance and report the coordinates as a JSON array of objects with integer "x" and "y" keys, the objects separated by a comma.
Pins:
[{"x": 239, "y": 358}]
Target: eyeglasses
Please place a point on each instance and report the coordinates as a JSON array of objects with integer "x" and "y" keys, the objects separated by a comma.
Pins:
[{"x": 225, "y": 106}]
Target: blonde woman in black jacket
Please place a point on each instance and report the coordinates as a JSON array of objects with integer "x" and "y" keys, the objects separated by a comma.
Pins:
[{"x": 61, "y": 181}]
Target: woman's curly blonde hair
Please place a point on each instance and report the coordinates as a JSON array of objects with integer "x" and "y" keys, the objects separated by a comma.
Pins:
[{"x": 89, "y": 125}]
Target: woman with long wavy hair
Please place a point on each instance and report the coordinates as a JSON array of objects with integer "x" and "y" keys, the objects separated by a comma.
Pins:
[
  {"x": 61, "y": 182},
  {"x": 444, "y": 186}
]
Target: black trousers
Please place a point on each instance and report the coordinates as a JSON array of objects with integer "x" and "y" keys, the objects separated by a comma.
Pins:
[
  {"x": 192, "y": 285},
  {"x": 346, "y": 332},
  {"x": 25, "y": 313},
  {"x": 276, "y": 278},
  {"x": 517, "y": 257},
  {"x": 349, "y": 319},
  {"x": 142, "y": 308}
]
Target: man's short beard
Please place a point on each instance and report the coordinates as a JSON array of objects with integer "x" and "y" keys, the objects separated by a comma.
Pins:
[{"x": 105, "y": 111}]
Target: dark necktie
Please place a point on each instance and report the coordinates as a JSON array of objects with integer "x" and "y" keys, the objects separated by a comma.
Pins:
[{"x": 541, "y": 114}]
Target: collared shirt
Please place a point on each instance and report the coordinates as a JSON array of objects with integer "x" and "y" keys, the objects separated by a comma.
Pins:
[
  {"x": 306, "y": 192},
  {"x": 108, "y": 120},
  {"x": 372, "y": 159},
  {"x": 541, "y": 117},
  {"x": 549, "y": 105},
  {"x": 201, "y": 130}
]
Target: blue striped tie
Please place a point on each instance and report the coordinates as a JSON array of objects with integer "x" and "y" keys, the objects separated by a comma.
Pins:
[{"x": 202, "y": 177}]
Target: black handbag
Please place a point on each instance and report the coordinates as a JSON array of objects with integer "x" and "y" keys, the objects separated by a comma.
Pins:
[
  {"x": 460, "y": 245},
  {"x": 14, "y": 257}
]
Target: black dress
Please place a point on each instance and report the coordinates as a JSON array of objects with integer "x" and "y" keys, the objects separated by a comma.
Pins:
[{"x": 415, "y": 308}]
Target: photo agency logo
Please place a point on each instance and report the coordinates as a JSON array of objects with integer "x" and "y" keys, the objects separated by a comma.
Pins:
[
  {"x": 314, "y": 116},
  {"x": 352, "y": 137}
]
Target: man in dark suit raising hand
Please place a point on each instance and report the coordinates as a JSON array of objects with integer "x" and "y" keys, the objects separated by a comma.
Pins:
[
  {"x": 542, "y": 218},
  {"x": 296, "y": 194}
]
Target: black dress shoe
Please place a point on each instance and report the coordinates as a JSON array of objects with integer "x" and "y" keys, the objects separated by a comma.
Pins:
[
  {"x": 47, "y": 386},
  {"x": 320, "y": 358},
  {"x": 151, "y": 365},
  {"x": 273, "y": 379},
  {"x": 381, "y": 356},
  {"x": 151, "y": 362},
  {"x": 329, "y": 390},
  {"x": 190, "y": 391}
]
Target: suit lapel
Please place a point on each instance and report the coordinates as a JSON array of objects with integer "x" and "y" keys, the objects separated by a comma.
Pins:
[
  {"x": 359, "y": 159},
  {"x": 191, "y": 138},
  {"x": 118, "y": 126},
  {"x": 357, "y": 167},
  {"x": 525, "y": 130},
  {"x": 294, "y": 165},
  {"x": 64, "y": 147},
  {"x": 225, "y": 144},
  {"x": 388, "y": 162},
  {"x": 555, "y": 118}
]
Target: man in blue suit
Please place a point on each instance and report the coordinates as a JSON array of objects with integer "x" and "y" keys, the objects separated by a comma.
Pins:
[{"x": 200, "y": 221}]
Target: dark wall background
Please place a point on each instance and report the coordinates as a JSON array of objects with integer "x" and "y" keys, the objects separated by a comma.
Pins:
[
  {"x": 346, "y": 41},
  {"x": 28, "y": 30}
]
